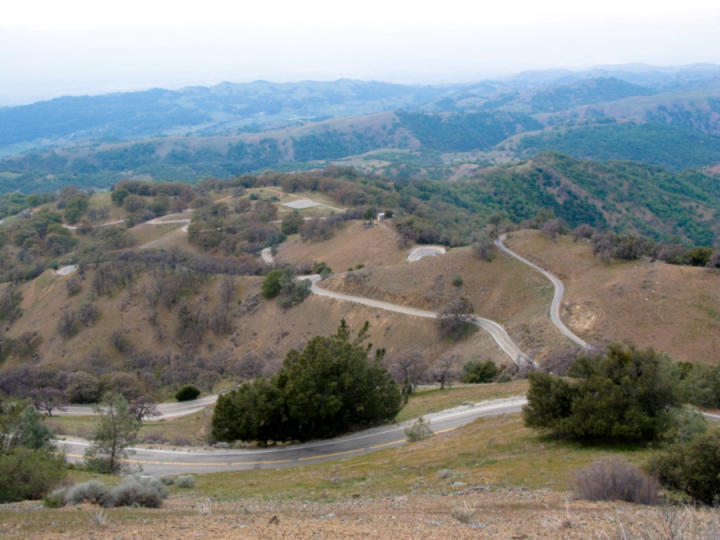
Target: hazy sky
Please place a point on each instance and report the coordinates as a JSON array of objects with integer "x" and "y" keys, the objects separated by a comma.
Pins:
[{"x": 53, "y": 47}]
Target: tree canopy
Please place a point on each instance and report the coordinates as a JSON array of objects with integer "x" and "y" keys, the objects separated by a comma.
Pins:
[
  {"x": 327, "y": 388},
  {"x": 622, "y": 394}
]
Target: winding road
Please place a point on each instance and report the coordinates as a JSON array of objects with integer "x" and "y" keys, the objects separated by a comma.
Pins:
[
  {"x": 167, "y": 410},
  {"x": 156, "y": 461},
  {"x": 166, "y": 461},
  {"x": 495, "y": 330},
  {"x": 557, "y": 297}
]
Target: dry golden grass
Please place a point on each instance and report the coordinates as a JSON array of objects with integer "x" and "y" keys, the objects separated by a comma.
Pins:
[
  {"x": 146, "y": 233},
  {"x": 352, "y": 245},
  {"x": 675, "y": 309},
  {"x": 504, "y": 290},
  {"x": 268, "y": 332},
  {"x": 423, "y": 402},
  {"x": 502, "y": 513},
  {"x": 192, "y": 429}
]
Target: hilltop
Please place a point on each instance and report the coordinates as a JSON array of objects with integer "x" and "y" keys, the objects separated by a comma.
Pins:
[{"x": 657, "y": 116}]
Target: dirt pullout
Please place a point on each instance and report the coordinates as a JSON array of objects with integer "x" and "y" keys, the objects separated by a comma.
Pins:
[
  {"x": 354, "y": 244},
  {"x": 504, "y": 290},
  {"x": 468, "y": 512},
  {"x": 674, "y": 309}
]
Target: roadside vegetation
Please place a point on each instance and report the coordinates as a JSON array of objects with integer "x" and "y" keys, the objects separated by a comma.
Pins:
[
  {"x": 326, "y": 389},
  {"x": 630, "y": 396}
]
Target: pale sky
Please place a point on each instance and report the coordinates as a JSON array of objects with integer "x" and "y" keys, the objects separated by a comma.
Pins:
[{"x": 52, "y": 47}]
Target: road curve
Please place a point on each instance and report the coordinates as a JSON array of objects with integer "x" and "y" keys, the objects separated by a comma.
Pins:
[
  {"x": 166, "y": 410},
  {"x": 557, "y": 297},
  {"x": 157, "y": 461},
  {"x": 495, "y": 330}
]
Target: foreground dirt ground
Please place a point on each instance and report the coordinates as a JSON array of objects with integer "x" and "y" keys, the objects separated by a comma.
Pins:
[{"x": 470, "y": 513}]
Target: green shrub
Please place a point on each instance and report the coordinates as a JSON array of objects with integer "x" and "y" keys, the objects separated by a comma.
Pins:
[
  {"x": 418, "y": 431},
  {"x": 329, "y": 387},
  {"x": 134, "y": 491},
  {"x": 622, "y": 394},
  {"x": 684, "y": 424},
  {"x": 271, "y": 285},
  {"x": 479, "y": 372},
  {"x": 29, "y": 474},
  {"x": 185, "y": 482},
  {"x": 187, "y": 393},
  {"x": 692, "y": 467},
  {"x": 167, "y": 480},
  {"x": 55, "y": 499},
  {"x": 88, "y": 492},
  {"x": 457, "y": 281}
]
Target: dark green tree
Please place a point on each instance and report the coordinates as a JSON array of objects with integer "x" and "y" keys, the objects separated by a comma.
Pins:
[
  {"x": 692, "y": 467},
  {"x": 623, "y": 394},
  {"x": 479, "y": 372},
  {"x": 327, "y": 388},
  {"x": 272, "y": 284},
  {"x": 291, "y": 223}
]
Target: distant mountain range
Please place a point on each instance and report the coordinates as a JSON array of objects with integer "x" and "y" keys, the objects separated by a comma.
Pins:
[{"x": 660, "y": 116}]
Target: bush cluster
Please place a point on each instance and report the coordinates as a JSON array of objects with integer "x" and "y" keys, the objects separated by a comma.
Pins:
[
  {"x": 132, "y": 491},
  {"x": 692, "y": 467},
  {"x": 623, "y": 394},
  {"x": 187, "y": 393},
  {"x": 418, "y": 430},
  {"x": 614, "y": 479},
  {"x": 324, "y": 390},
  {"x": 479, "y": 372}
]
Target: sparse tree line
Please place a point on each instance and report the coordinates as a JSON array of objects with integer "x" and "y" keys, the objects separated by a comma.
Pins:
[{"x": 607, "y": 245}]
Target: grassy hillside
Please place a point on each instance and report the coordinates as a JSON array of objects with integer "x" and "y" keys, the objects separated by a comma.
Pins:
[
  {"x": 652, "y": 304},
  {"x": 502, "y": 290},
  {"x": 494, "y": 475}
]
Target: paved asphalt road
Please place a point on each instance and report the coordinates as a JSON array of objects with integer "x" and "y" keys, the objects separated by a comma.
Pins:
[
  {"x": 166, "y": 410},
  {"x": 497, "y": 332},
  {"x": 162, "y": 461},
  {"x": 557, "y": 297}
]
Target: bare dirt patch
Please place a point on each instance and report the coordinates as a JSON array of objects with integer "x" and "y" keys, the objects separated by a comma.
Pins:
[
  {"x": 503, "y": 513},
  {"x": 354, "y": 244}
]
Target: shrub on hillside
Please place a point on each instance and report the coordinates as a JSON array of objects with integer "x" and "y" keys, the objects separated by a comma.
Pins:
[
  {"x": 271, "y": 284},
  {"x": 134, "y": 491},
  {"x": 29, "y": 474},
  {"x": 418, "y": 431},
  {"x": 186, "y": 481},
  {"x": 684, "y": 424},
  {"x": 479, "y": 372},
  {"x": 692, "y": 467},
  {"x": 88, "y": 492},
  {"x": 622, "y": 394},
  {"x": 326, "y": 389},
  {"x": 455, "y": 320},
  {"x": 614, "y": 479},
  {"x": 187, "y": 393}
]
